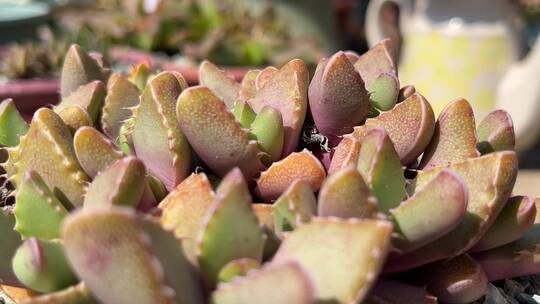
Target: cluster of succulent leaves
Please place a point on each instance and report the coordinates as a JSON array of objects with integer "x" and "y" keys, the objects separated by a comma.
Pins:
[
  {"x": 222, "y": 31},
  {"x": 140, "y": 189}
]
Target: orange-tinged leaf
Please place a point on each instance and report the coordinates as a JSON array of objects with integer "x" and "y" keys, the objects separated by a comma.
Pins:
[
  {"x": 277, "y": 178},
  {"x": 454, "y": 139}
]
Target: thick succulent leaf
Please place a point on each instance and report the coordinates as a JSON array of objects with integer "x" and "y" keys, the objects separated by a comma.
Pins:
[
  {"x": 384, "y": 91},
  {"x": 248, "y": 88},
  {"x": 215, "y": 135},
  {"x": 388, "y": 291},
  {"x": 12, "y": 125},
  {"x": 286, "y": 91},
  {"x": 345, "y": 154},
  {"x": 410, "y": 126},
  {"x": 496, "y": 132},
  {"x": 107, "y": 246},
  {"x": 283, "y": 283},
  {"x": 125, "y": 141},
  {"x": 77, "y": 294},
  {"x": 223, "y": 86},
  {"x": 10, "y": 242},
  {"x": 42, "y": 265},
  {"x": 184, "y": 209},
  {"x": 267, "y": 129},
  {"x": 38, "y": 212},
  {"x": 75, "y": 117},
  {"x": 94, "y": 151},
  {"x": 231, "y": 230},
  {"x": 90, "y": 97},
  {"x": 266, "y": 219},
  {"x": 379, "y": 165},
  {"x": 122, "y": 95},
  {"x": 342, "y": 257},
  {"x": 121, "y": 184},
  {"x": 237, "y": 268},
  {"x": 139, "y": 74},
  {"x": 490, "y": 180},
  {"x": 377, "y": 60},
  {"x": 337, "y": 97},
  {"x": 454, "y": 139},
  {"x": 295, "y": 206},
  {"x": 157, "y": 138},
  {"x": 457, "y": 280},
  {"x": 519, "y": 258},
  {"x": 345, "y": 194},
  {"x": 47, "y": 148},
  {"x": 431, "y": 212},
  {"x": 243, "y": 113},
  {"x": 405, "y": 92},
  {"x": 180, "y": 274},
  {"x": 78, "y": 69},
  {"x": 265, "y": 75},
  {"x": 514, "y": 221},
  {"x": 277, "y": 178}
]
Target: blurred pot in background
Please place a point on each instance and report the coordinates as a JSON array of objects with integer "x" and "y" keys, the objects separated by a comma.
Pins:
[{"x": 470, "y": 49}]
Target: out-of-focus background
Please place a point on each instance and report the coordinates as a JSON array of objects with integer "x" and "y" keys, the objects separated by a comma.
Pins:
[{"x": 484, "y": 50}]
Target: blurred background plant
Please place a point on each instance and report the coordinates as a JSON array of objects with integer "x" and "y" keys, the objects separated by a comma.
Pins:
[{"x": 227, "y": 32}]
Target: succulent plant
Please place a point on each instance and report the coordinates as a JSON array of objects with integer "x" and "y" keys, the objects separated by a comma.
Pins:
[{"x": 205, "y": 194}]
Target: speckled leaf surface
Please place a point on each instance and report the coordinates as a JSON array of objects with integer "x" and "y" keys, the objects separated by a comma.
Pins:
[
  {"x": 38, "y": 212},
  {"x": 454, "y": 139},
  {"x": 89, "y": 96},
  {"x": 431, "y": 212},
  {"x": 78, "y": 69},
  {"x": 168, "y": 155},
  {"x": 121, "y": 96},
  {"x": 295, "y": 206},
  {"x": 379, "y": 165},
  {"x": 94, "y": 151},
  {"x": 490, "y": 180},
  {"x": 266, "y": 220},
  {"x": 248, "y": 88},
  {"x": 342, "y": 257},
  {"x": 12, "y": 125},
  {"x": 337, "y": 98},
  {"x": 184, "y": 209},
  {"x": 215, "y": 135},
  {"x": 374, "y": 62},
  {"x": 496, "y": 132},
  {"x": 75, "y": 117},
  {"x": 514, "y": 221},
  {"x": 106, "y": 246},
  {"x": 230, "y": 230},
  {"x": 456, "y": 280},
  {"x": 261, "y": 287},
  {"x": 286, "y": 91},
  {"x": 223, "y": 86},
  {"x": 120, "y": 184},
  {"x": 264, "y": 75},
  {"x": 277, "y": 178},
  {"x": 345, "y": 154},
  {"x": 410, "y": 126},
  {"x": 345, "y": 194},
  {"x": 47, "y": 148}
]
